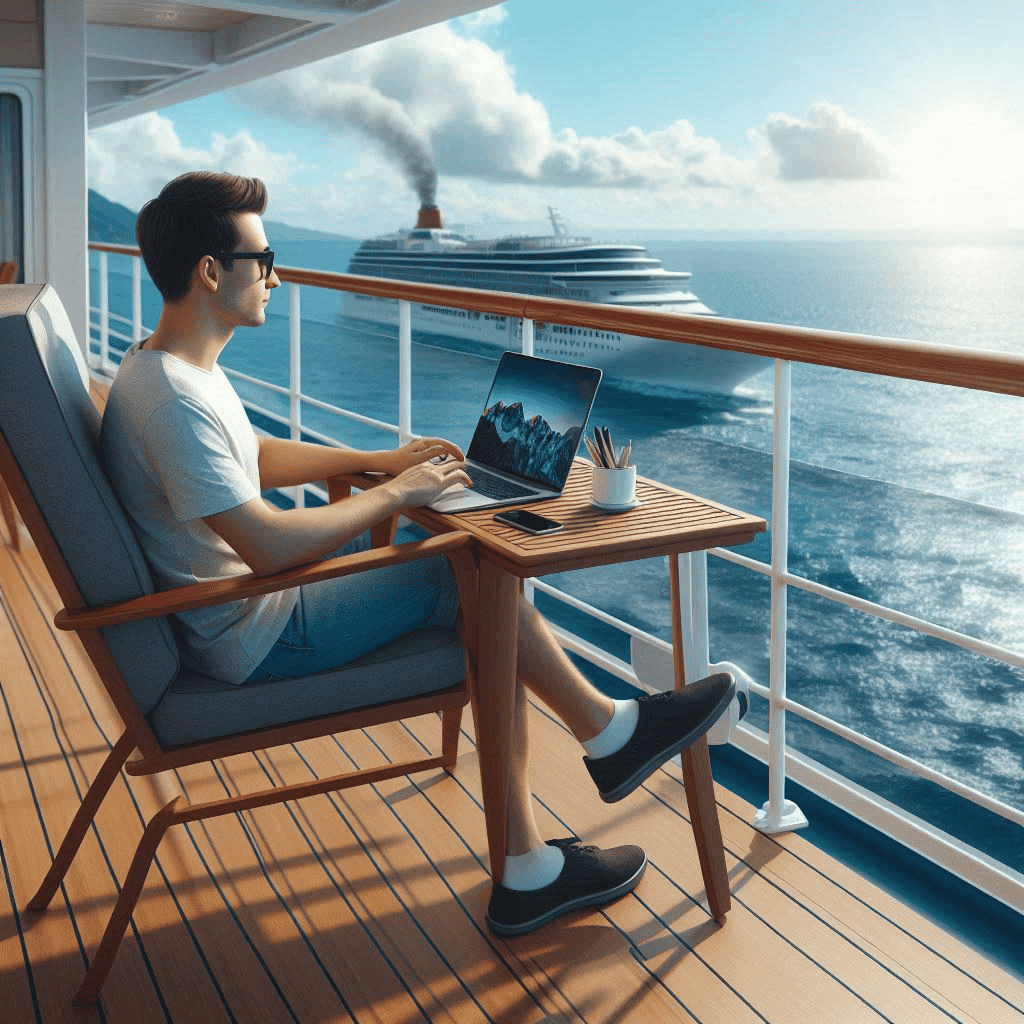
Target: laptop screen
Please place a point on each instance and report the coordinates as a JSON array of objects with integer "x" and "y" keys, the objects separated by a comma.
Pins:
[{"x": 534, "y": 418}]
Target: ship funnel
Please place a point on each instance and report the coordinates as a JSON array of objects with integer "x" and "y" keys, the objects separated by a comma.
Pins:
[{"x": 429, "y": 217}]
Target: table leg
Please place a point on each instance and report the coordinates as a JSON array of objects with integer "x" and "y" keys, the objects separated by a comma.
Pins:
[
  {"x": 700, "y": 789},
  {"x": 494, "y": 706}
]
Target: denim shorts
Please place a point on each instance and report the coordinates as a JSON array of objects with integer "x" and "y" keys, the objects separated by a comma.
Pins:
[{"x": 336, "y": 621}]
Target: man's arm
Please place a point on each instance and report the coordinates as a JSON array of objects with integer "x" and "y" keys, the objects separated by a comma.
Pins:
[
  {"x": 269, "y": 539},
  {"x": 285, "y": 463}
]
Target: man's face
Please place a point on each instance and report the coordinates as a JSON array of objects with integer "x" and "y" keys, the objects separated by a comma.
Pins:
[{"x": 244, "y": 291}]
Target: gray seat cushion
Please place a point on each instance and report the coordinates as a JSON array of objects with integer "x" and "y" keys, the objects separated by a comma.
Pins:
[{"x": 197, "y": 707}]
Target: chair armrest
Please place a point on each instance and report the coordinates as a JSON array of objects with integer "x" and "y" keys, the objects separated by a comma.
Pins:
[{"x": 201, "y": 595}]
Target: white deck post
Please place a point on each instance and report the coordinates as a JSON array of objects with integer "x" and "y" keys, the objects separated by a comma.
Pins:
[
  {"x": 295, "y": 377},
  {"x": 693, "y": 611},
  {"x": 136, "y": 299},
  {"x": 404, "y": 371},
  {"x": 779, "y": 814},
  {"x": 104, "y": 312},
  {"x": 527, "y": 339}
]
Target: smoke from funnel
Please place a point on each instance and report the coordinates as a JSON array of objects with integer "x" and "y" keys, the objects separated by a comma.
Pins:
[{"x": 385, "y": 122}]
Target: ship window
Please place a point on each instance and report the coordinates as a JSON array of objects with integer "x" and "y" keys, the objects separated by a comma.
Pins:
[{"x": 12, "y": 196}]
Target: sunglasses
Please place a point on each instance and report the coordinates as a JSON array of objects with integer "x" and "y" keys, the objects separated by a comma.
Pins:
[{"x": 265, "y": 259}]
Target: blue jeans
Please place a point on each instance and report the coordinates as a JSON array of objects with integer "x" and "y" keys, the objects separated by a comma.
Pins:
[{"x": 336, "y": 621}]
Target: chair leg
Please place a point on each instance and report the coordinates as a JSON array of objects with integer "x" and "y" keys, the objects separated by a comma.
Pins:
[
  {"x": 82, "y": 820},
  {"x": 10, "y": 517},
  {"x": 102, "y": 960},
  {"x": 700, "y": 799},
  {"x": 451, "y": 723}
]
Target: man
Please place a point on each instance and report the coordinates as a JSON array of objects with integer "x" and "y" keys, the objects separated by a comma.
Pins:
[{"x": 190, "y": 471}]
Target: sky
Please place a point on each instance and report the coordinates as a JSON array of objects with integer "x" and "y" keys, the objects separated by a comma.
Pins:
[{"x": 689, "y": 116}]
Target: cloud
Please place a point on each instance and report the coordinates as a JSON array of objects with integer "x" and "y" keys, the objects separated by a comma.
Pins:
[
  {"x": 672, "y": 156},
  {"x": 459, "y": 98},
  {"x": 483, "y": 19},
  {"x": 827, "y": 145},
  {"x": 132, "y": 160}
]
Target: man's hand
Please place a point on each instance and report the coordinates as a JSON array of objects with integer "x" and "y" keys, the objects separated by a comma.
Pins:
[
  {"x": 422, "y": 482},
  {"x": 416, "y": 453},
  {"x": 269, "y": 539}
]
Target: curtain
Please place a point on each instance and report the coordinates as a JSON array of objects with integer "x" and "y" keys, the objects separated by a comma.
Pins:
[{"x": 12, "y": 193}]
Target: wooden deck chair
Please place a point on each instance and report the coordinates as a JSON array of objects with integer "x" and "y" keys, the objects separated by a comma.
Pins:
[
  {"x": 10, "y": 514},
  {"x": 49, "y": 436}
]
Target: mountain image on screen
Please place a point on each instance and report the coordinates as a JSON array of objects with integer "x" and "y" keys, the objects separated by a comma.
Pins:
[{"x": 507, "y": 440}]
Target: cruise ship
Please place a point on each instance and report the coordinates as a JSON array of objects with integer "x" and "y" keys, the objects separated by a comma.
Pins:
[
  {"x": 367, "y": 905},
  {"x": 556, "y": 266}
]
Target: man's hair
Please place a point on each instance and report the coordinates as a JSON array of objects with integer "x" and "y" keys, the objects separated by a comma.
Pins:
[{"x": 193, "y": 217}]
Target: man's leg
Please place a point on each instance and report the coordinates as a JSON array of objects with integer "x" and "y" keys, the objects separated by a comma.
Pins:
[
  {"x": 546, "y": 669},
  {"x": 545, "y": 880},
  {"x": 626, "y": 742}
]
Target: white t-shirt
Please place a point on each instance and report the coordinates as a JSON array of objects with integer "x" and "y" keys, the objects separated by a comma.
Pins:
[{"x": 179, "y": 446}]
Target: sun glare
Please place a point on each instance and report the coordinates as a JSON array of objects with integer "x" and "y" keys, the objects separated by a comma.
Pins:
[
  {"x": 965, "y": 145},
  {"x": 962, "y": 168}
]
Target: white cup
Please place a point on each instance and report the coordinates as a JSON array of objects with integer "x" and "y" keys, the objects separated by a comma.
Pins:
[{"x": 615, "y": 486}]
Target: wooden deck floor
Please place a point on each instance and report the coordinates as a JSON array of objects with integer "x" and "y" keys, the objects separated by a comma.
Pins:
[{"x": 369, "y": 905}]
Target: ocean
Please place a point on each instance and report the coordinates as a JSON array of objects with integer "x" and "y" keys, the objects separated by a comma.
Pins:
[{"x": 907, "y": 494}]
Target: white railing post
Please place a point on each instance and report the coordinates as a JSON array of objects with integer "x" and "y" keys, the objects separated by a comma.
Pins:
[
  {"x": 527, "y": 339},
  {"x": 693, "y": 611},
  {"x": 136, "y": 299},
  {"x": 104, "y": 313},
  {"x": 779, "y": 814},
  {"x": 295, "y": 378},
  {"x": 404, "y": 371}
]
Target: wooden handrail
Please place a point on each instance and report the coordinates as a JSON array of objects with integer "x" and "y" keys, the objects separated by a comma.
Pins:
[
  {"x": 202, "y": 595},
  {"x": 978, "y": 369}
]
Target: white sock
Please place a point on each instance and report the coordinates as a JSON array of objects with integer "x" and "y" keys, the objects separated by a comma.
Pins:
[
  {"x": 616, "y": 734},
  {"x": 533, "y": 870}
]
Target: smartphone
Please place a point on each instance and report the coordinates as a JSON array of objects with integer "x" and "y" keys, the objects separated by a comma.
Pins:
[{"x": 528, "y": 522}]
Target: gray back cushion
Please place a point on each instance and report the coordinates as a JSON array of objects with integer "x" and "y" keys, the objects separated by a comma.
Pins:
[{"x": 52, "y": 427}]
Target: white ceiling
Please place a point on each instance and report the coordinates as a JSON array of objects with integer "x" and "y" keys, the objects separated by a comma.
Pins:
[{"x": 147, "y": 54}]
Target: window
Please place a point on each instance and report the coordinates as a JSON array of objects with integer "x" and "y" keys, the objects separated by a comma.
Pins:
[{"x": 12, "y": 220}]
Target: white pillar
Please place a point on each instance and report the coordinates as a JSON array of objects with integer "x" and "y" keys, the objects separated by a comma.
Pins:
[{"x": 64, "y": 160}]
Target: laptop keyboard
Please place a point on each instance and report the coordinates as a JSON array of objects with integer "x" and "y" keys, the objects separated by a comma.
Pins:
[{"x": 494, "y": 486}]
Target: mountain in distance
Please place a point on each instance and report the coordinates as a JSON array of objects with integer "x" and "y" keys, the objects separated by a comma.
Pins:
[
  {"x": 110, "y": 221},
  {"x": 115, "y": 223},
  {"x": 278, "y": 232},
  {"x": 509, "y": 441}
]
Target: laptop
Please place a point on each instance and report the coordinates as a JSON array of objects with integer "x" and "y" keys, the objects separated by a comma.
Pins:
[{"x": 532, "y": 424}]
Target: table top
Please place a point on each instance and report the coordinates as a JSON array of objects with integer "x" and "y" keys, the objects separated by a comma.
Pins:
[{"x": 666, "y": 521}]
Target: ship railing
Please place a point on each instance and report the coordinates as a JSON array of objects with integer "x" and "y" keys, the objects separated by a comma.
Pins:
[{"x": 979, "y": 370}]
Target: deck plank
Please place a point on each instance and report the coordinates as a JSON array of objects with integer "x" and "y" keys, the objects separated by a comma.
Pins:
[
  {"x": 955, "y": 976},
  {"x": 36, "y": 808},
  {"x": 763, "y": 969},
  {"x": 368, "y": 905},
  {"x": 426, "y": 870}
]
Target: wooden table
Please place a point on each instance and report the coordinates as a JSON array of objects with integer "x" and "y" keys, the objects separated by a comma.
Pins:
[{"x": 667, "y": 522}]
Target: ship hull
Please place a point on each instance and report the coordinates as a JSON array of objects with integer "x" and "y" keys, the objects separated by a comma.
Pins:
[{"x": 624, "y": 358}]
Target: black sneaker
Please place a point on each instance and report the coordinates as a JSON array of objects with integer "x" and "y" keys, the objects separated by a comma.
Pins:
[
  {"x": 667, "y": 724},
  {"x": 590, "y": 877}
]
